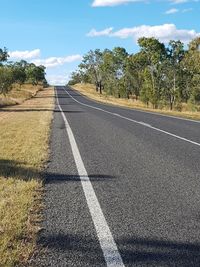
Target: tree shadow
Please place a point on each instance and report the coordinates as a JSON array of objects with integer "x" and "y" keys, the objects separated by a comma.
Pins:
[
  {"x": 52, "y": 178},
  {"x": 19, "y": 170},
  {"x": 71, "y": 248},
  {"x": 134, "y": 251},
  {"x": 39, "y": 110},
  {"x": 152, "y": 252}
]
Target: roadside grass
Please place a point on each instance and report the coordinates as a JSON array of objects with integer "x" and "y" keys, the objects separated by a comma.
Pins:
[
  {"x": 24, "y": 142},
  {"x": 18, "y": 95},
  {"x": 89, "y": 91}
]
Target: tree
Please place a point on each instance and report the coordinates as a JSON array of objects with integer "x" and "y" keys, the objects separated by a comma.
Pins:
[
  {"x": 135, "y": 65},
  {"x": 154, "y": 53},
  {"x": 191, "y": 64},
  {"x": 176, "y": 54},
  {"x": 3, "y": 55},
  {"x": 120, "y": 56},
  {"x": 6, "y": 79},
  {"x": 157, "y": 74},
  {"x": 19, "y": 74},
  {"x": 113, "y": 71},
  {"x": 35, "y": 74},
  {"x": 91, "y": 65},
  {"x": 75, "y": 78}
]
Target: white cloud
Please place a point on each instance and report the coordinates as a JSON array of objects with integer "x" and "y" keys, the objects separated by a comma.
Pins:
[
  {"x": 163, "y": 32},
  {"x": 57, "y": 61},
  {"x": 57, "y": 79},
  {"x": 102, "y": 3},
  {"x": 24, "y": 54},
  {"x": 178, "y": 1},
  {"x": 175, "y": 2},
  {"x": 94, "y": 33},
  {"x": 175, "y": 10},
  {"x": 172, "y": 11},
  {"x": 187, "y": 10}
]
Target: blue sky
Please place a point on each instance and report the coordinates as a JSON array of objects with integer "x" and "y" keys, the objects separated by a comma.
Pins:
[{"x": 57, "y": 33}]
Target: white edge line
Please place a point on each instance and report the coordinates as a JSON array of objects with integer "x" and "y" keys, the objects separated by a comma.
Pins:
[
  {"x": 138, "y": 110},
  {"x": 138, "y": 122},
  {"x": 108, "y": 245}
]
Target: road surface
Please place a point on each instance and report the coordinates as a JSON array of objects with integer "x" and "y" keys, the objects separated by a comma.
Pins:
[{"x": 122, "y": 187}]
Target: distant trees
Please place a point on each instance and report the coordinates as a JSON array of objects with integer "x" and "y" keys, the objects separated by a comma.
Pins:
[
  {"x": 18, "y": 72},
  {"x": 6, "y": 80},
  {"x": 160, "y": 75},
  {"x": 3, "y": 55},
  {"x": 35, "y": 74},
  {"x": 92, "y": 67},
  {"x": 5, "y": 73}
]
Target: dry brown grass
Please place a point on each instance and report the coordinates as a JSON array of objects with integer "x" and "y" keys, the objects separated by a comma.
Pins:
[
  {"x": 24, "y": 144},
  {"x": 18, "y": 95},
  {"x": 89, "y": 91}
]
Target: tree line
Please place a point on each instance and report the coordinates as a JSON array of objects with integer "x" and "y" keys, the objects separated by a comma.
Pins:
[
  {"x": 18, "y": 73},
  {"x": 160, "y": 75}
]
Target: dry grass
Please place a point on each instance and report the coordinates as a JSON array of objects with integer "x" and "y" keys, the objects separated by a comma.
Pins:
[
  {"x": 89, "y": 91},
  {"x": 18, "y": 95},
  {"x": 24, "y": 144}
]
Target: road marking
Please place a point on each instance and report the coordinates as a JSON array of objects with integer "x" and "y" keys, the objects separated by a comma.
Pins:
[
  {"x": 142, "y": 111},
  {"x": 108, "y": 245},
  {"x": 138, "y": 122}
]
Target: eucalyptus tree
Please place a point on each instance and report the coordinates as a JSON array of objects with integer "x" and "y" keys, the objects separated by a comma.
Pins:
[
  {"x": 175, "y": 73},
  {"x": 35, "y": 74},
  {"x": 119, "y": 64},
  {"x": 79, "y": 76},
  {"x": 19, "y": 73},
  {"x": 108, "y": 72},
  {"x": 91, "y": 64},
  {"x": 191, "y": 63},
  {"x": 6, "y": 79},
  {"x": 134, "y": 73},
  {"x": 154, "y": 53},
  {"x": 3, "y": 55}
]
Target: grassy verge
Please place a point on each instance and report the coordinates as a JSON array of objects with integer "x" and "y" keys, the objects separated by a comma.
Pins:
[
  {"x": 18, "y": 95},
  {"x": 89, "y": 91},
  {"x": 24, "y": 142}
]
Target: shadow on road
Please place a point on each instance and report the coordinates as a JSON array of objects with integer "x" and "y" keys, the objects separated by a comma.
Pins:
[
  {"x": 79, "y": 250},
  {"x": 19, "y": 170},
  {"x": 38, "y": 110},
  {"x": 152, "y": 252},
  {"x": 55, "y": 178},
  {"x": 134, "y": 251}
]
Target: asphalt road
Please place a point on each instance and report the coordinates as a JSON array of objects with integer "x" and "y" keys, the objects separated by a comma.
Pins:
[{"x": 144, "y": 170}]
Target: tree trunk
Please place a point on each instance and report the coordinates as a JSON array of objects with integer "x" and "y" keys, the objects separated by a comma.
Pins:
[
  {"x": 174, "y": 86},
  {"x": 171, "y": 101},
  {"x": 97, "y": 88},
  {"x": 100, "y": 88}
]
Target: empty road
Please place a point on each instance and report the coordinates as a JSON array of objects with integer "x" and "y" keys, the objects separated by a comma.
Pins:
[{"x": 122, "y": 187}]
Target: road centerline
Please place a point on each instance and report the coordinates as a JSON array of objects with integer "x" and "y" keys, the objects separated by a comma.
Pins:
[
  {"x": 134, "y": 121},
  {"x": 106, "y": 240}
]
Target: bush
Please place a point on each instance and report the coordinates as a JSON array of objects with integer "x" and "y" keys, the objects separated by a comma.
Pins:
[{"x": 6, "y": 80}]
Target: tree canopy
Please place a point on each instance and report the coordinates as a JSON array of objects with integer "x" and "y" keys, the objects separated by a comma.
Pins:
[
  {"x": 159, "y": 74},
  {"x": 18, "y": 72}
]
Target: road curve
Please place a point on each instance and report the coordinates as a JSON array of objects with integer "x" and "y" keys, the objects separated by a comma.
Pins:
[{"x": 143, "y": 169}]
